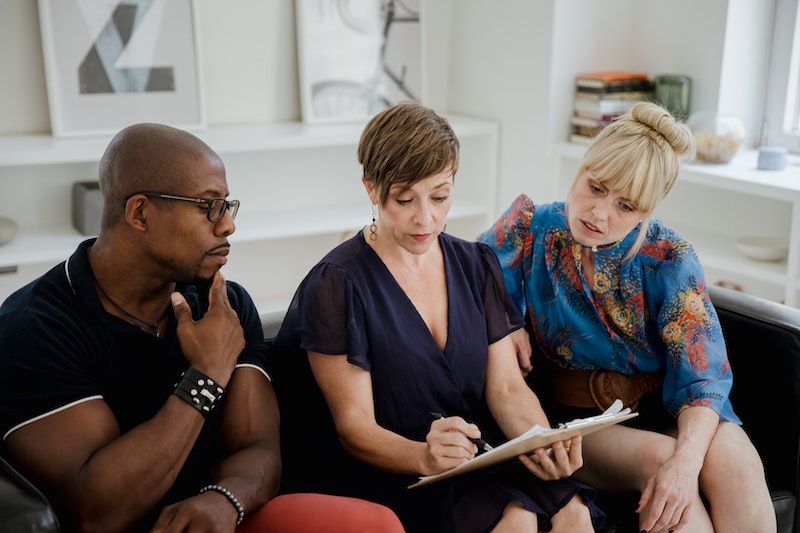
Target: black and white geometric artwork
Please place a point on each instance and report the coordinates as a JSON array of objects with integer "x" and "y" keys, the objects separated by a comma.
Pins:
[{"x": 111, "y": 63}]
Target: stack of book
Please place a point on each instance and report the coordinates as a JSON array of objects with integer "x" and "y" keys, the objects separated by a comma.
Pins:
[{"x": 600, "y": 97}]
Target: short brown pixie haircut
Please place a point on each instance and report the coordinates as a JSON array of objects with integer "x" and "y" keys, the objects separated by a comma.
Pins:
[{"x": 404, "y": 144}]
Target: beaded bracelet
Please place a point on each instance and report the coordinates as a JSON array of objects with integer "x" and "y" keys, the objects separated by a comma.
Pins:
[
  {"x": 198, "y": 390},
  {"x": 231, "y": 498}
]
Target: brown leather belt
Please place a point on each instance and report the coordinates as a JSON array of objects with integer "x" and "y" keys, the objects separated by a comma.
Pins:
[{"x": 599, "y": 388}]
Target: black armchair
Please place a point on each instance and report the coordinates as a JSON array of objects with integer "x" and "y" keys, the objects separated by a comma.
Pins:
[
  {"x": 23, "y": 509},
  {"x": 763, "y": 340}
]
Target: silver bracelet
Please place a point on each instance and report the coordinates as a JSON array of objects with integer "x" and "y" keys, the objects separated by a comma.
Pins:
[{"x": 231, "y": 498}]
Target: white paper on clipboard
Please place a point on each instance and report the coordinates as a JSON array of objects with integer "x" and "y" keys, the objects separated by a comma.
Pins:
[{"x": 536, "y": 437}]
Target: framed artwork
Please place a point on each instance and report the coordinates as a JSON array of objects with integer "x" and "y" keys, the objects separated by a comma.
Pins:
[
  {"x": 357, "y": 57},
  {"x": 112, "y": 63}
]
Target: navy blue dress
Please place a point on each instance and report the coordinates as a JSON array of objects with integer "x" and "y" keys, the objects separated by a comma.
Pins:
[{"x": 349, "y": 303}]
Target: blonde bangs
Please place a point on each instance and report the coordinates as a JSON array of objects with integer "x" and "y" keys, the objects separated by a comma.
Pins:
[{"x": 632, "y": 162}]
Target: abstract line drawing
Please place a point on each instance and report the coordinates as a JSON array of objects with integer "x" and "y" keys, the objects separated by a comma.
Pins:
[{"x": 357, "y": 56}]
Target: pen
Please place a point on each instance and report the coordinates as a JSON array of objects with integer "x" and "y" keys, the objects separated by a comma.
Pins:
[{"x": 482, "y": 444}]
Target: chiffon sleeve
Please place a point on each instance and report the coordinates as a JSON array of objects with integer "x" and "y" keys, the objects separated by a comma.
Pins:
[
  {"x": 326, "y": 316},
  {"x": 502, "y": 315}
]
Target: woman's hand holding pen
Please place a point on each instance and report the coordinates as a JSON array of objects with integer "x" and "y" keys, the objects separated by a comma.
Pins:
[
  {"x": 559, "y": 461},
  {"x": 449, "y": 444}
]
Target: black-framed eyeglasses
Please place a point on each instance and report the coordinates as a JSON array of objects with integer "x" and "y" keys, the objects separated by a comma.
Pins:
[{"x": 216, "y": 207}]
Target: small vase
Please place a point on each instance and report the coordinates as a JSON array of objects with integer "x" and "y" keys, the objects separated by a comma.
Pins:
[{"x": 718, "y": 137}]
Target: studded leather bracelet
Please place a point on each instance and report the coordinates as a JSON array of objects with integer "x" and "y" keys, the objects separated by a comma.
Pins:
[{"x": 198, "y": 390}]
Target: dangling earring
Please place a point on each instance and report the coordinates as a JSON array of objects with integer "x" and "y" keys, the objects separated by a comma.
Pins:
[
  {"x": 444, "y": 228},
  {"x": 373, "y": 228}
]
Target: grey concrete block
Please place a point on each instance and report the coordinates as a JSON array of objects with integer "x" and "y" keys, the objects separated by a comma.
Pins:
[{"x": 87, "y": 207}]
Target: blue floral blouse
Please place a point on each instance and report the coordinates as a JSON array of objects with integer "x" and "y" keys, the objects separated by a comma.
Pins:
[{"x": 650, "y": 313}]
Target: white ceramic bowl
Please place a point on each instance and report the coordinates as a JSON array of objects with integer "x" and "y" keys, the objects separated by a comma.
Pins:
[
  {"x": 763, "y": 248},
  {"x": 8, "y": 228}
]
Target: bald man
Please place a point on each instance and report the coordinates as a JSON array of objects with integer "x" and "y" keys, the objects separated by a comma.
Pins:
[{"x": 134, "y": 388}]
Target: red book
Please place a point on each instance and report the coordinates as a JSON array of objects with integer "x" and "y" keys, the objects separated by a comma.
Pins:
[{"x": 612, "y": 79}]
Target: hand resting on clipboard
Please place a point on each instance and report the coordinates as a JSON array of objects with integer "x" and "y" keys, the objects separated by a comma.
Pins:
[{"x": 535, "y": 437}]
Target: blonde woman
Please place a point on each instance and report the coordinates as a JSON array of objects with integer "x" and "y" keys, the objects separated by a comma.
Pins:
[{"x": 617, "y": 306}]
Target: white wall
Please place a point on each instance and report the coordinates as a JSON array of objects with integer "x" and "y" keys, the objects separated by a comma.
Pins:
[
  {"x": 500, "y": 69},
  {"x": 509, "y": 60}
]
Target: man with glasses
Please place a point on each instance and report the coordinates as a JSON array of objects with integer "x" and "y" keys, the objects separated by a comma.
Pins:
[{"x": 133, "y": 383}]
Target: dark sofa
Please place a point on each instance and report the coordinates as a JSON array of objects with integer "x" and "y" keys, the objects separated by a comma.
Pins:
[
  {"x": 763, "y": 340},
  {"x": 764, "y": 347}
]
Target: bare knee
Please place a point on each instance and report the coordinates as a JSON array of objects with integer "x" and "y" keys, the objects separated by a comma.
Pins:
[
  {"x": 732, "y": 456},
  {"x": 516, "y": 518},
  {"x": 573, "y": 517},
  {"x": 733, "y": 482}
]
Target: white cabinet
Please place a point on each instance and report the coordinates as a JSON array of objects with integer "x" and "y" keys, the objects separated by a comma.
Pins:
[
  {"x": 300, "y": 188},
  {"x": 714, "y": 204}
]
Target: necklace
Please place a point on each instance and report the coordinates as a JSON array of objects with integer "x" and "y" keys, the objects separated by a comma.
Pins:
[
  {"x": 597, "y": 247},
  {"x": 138, "y": 320}
]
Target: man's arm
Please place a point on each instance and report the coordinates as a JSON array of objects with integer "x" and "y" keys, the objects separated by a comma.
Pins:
[
  {"x": 251, "y": 430},
  {"x": 110, "y": 481},
  {"x": 104, "y": 480},
  {"x": 251, "y": 472}
]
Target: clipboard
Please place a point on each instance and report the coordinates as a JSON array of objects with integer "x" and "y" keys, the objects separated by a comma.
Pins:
[{"x": 536, "y": 437}]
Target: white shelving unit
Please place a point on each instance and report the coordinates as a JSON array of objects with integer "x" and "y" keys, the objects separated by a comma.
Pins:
[
  {"x": 299, "y": 185},
  {"x": 714, "y": 204}
]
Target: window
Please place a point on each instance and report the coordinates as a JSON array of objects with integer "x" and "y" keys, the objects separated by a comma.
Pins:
[{"x": 782, "y": 107}]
